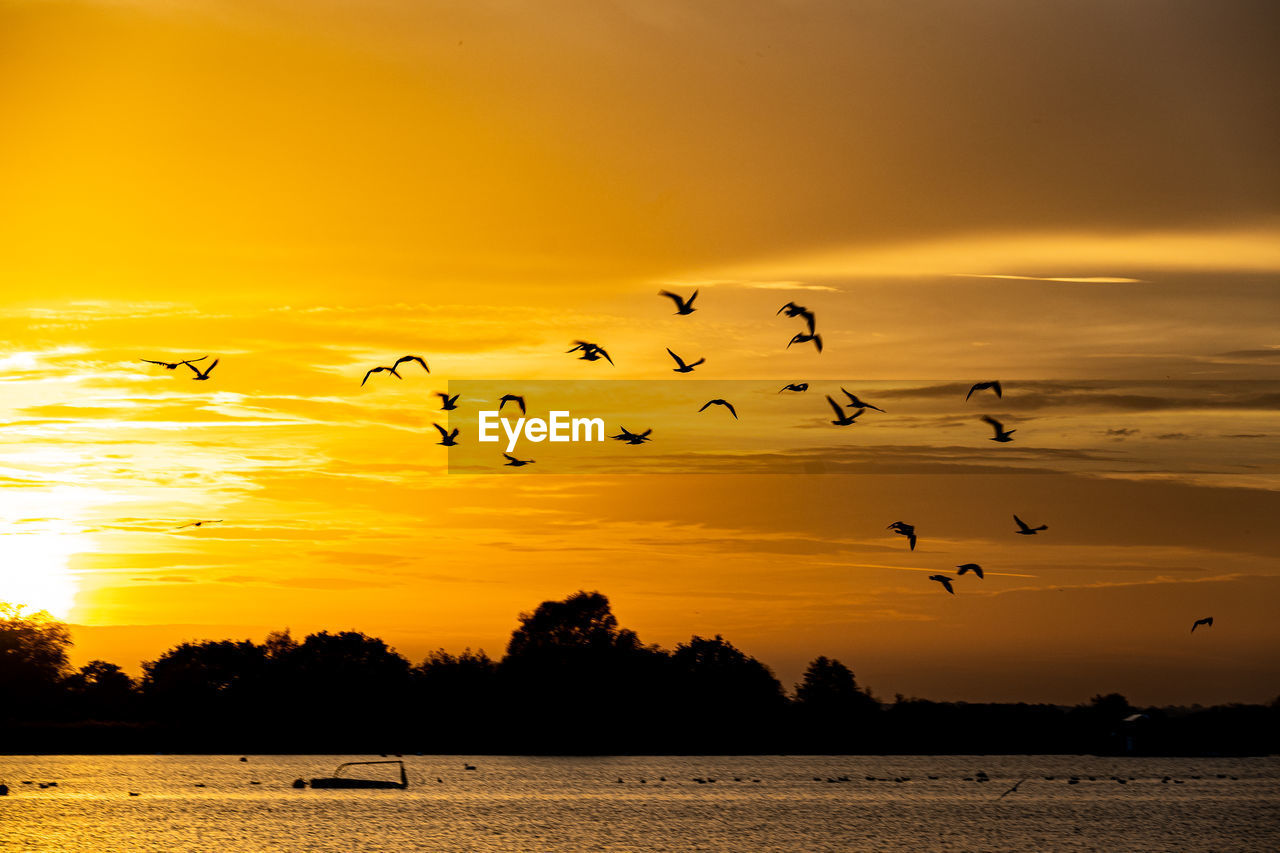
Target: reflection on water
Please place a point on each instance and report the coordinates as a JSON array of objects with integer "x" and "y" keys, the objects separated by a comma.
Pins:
[{"x": 579, "y": 804}]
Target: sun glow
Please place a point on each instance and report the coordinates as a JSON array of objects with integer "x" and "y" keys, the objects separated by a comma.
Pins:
[{"x": 34, "y": 570}]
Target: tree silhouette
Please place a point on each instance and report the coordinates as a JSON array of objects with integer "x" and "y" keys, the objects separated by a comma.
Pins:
[
  {"x": 101, "y": 691},
  {"x": 206, "y": 679},
  {"x": 829, "y": 686},
  {"x": 33, "y": 658},
  {"x": 581, "y": 683},
  {"x": 726, "y": 696},
  {"x": 583, "y": 621},
  {"x": 831, "y": 711}
]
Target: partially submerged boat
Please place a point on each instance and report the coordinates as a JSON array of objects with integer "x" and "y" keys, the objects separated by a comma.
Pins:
[{"x": 337, "y": 780}]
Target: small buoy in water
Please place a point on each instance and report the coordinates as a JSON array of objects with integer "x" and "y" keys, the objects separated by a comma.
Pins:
[
  {"x": 242, "y": 758},
  {"x": 4, "y": 790},
  {"x": 438, "y": 779},
  {"x": 299, "y": 783}
]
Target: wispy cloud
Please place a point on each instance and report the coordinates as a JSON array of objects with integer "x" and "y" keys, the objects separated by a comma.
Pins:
[{"x": 1061, "y": 279}]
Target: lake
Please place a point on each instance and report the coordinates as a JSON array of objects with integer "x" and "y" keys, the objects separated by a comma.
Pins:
[{"x": 518, "y": 803}]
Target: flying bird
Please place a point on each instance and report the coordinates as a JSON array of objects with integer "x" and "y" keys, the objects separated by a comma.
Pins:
[
  {"x": 173, "y": 365},
  {"x": 794, "y": 310},
  {"x": 199, "y": 376},
  {"x": 800, "y": 386},
  {"x": 1206, "y": 621},
  {"x": 843, "y": 418},
  {"x": 970, "y": 567},
  {"x": 1014, "y": 788},
  {"x": 994, "y": 385},
  {"x": 511, "y": 398},
  {"x": 516, "y": 463},
  {"x": 719, "y": 402},
  {"x": 855, "y": 403},
  {"x": 945, "y": 580},
  {"x": 447, "y": 403},
  {"x": 1002, "y": 434},
  {"x": 804, "y": 339},
  {"x": 684, "y": 368},
  {"x": 590, "y": 351},
  {"x": 632, "y": 437},
  {"x": 448, "y": 439},
  {"x": 402, "y": 359},
  {"x": 1025, "y": 529},
  {"x": 904, "y": 529},
  {"x": 683, "y": 306},
  {"x": 219, "y": 521},
  {"x": 374, "y": 370}
]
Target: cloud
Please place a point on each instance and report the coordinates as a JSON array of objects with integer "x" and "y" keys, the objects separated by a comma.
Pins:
[
  {"x": 1063, "y": 279},
  {"x": 751, "y": 285}
]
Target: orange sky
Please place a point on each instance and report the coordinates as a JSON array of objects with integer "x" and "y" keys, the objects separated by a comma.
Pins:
[{"x": 1056, "y": 194}]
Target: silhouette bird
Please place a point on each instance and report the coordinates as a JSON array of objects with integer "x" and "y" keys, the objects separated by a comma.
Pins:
[
  {"x": 970, "y": 567},
  {"x": 843, "y": 418},
  {"x": 1014, "y": 788},
  {"x": 1206, "y": 621},
  {"x": 447, "y": 439},
  {"x": 719, "y": 402},
  {"x": 945, "y": 580},
  {"x": 683, "y": 368},
  {"x": 683, "y": 306},
  {"x": 1025, "y": 529},
  {"x": 511, "y": 398},
  {"x": 904, "y": 529},
  {"x": 402, "y": 359},
  {"x": 199, "y": 375},
  {"x": 448, "y": 404},
  {"x": 1002, "y": 434},
  {"x": 804, "y": 339},
  {"x": 199, "y": 523},
  {"x": 374, "y": 370},
  {"x": 794, "y": 310},
  {"x": 994, "y": 385},
  {"x": 631, "y": 437},
  {"x": 801, "y": 387},
  {"x": 855, "y": 403},
  {"x": 590, "y": 351},
  {"x": 516, "y": 463},
  {"x": 174, "y": 365}
]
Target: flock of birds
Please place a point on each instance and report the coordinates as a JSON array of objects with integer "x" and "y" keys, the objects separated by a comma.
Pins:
[{"x": 591, "y": 351}]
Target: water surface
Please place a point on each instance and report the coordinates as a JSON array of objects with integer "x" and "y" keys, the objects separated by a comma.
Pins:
[{"x": 578, "y": 804}]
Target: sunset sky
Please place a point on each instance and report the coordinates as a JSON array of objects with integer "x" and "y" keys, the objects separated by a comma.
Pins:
[{"x": 1079, "y": 198}]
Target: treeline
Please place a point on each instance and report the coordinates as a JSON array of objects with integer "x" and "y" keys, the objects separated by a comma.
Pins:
[{"x": 571, "y": 681}]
